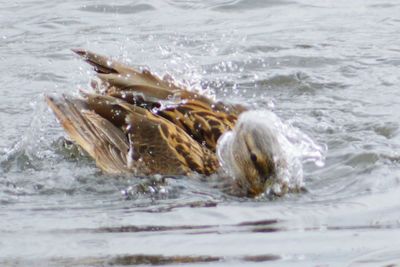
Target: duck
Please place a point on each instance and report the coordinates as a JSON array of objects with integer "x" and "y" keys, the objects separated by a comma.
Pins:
[{"x": 136, "y": 123}]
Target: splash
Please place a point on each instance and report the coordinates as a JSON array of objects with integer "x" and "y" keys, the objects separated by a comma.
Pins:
[
  {"x": 289, "y": 146},
  {"x": 22, "y": 154}
]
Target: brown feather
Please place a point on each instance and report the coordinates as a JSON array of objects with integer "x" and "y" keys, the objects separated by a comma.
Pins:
[
  {"x": 155, "y": 144},
  {"x": 125, "y": 128},
  {"x": 122, "y": 77},
  {"x": 98, "y": 137},
  {"x": 116, "y": 76},
  {"x": 200, "y": 121},
  {"x": 166, "y": 147}
]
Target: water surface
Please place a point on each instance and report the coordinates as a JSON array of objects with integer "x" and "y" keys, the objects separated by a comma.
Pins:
[{"x": 331, "y": 69}]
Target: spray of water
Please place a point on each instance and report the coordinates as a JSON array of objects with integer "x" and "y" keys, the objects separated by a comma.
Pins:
[{"x": 289, "y": 146}]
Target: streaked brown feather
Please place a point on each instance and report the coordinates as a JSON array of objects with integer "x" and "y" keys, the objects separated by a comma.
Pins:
[
  {"x": 110, "y": 145},
  {"x": 125, "y": 127},
  {"x": 200, "y": 121},
  {"x": 98, "y": 137},
  {"x": 117, "y": 76},
  {"x": 105, "y": 124},
  {"x": 167, "y": 147}
]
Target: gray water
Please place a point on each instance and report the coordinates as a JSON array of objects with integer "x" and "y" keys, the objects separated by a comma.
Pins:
[{"x": 329, "y": 68}]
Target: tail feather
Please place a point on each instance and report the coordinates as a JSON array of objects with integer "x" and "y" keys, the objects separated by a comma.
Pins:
[
  {"x": 121, "y": 76},
  {"x": 140, "y": 83},
  {"x": 101, "y": 63},
  {"x": 117, "y": 76}
]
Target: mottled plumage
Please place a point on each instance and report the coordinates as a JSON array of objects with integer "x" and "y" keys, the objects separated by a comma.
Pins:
[
  {"x": 147, "y": 143},
  {"x": 136, "y": 122}
]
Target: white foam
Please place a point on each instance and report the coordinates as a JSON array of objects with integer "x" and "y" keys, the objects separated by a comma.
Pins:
[{"x": 290, "y": 147}]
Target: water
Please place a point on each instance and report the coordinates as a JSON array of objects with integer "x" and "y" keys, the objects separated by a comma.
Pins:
[{"x": 330, "y": 69}]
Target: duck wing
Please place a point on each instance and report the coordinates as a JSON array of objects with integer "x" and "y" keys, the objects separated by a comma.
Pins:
[
  {"x": 200, "y": 121},
  {"x": 104, "y": 142},
  {"x": 125, "y": 138},
  {"x": 167, "y": 147}
]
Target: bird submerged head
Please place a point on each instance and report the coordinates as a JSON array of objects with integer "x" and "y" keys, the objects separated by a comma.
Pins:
[{"x": 252, "y": 154}]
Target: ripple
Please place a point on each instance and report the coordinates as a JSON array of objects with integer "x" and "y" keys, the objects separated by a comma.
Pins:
[
  {"x": 250, "y": 226},
  {"x": 387, "y": 130},
  {"x": 242, "y": 5},
  {"x": 386, "y": 257},
  {"x": 384, "y": 5},
  {"x": 118, "y": 9},
  {"x": 363, "y": 160},
  {"x": 140, "y": 259},
  {"x": 262, "y": 49}
]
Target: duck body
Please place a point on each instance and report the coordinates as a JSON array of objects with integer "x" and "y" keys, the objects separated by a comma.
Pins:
[{"x": 135, "y": 122}]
